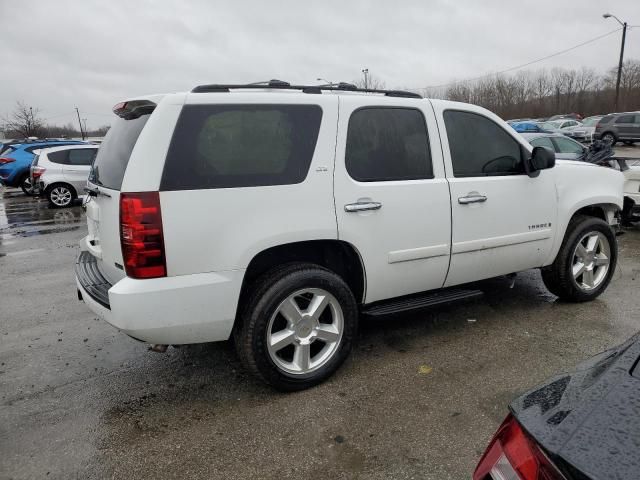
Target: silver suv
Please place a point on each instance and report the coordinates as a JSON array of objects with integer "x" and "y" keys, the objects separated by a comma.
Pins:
[{"x": 619, "y": 127}]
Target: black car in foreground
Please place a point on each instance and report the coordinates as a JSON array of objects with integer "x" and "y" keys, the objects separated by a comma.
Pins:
[{"x": 577, "y": 426}]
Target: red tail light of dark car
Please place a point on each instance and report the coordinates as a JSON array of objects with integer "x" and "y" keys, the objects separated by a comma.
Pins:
[
  {"x": 141, "y": 235},
  {"x": 514, "y": 455}
]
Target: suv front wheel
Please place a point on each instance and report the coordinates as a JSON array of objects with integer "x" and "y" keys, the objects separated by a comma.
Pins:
[
  {"x": 297, "y": 326},
  {"x": 585, "y": 263}
]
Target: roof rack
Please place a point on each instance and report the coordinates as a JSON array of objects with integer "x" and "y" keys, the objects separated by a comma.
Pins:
[{"x": 281, "y": 85}]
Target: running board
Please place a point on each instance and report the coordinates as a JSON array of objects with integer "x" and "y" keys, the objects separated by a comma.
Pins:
[{"x": 431, "y": 299}]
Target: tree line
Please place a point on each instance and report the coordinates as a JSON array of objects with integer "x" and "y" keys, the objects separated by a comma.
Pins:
[
  {"x": 542, "y": 93},
  {"x": 25, "y": 122}
]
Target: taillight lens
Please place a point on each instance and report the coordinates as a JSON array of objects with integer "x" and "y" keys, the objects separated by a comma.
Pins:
[
  {"x": 4, "y": 160},
  {"x": 141, "y": 235},
  {"x": 37, "y": 172},
  {"x": 514, "y": 455}
]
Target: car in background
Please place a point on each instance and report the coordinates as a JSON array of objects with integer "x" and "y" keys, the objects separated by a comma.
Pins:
[
  {"x": 527, "y": 127},
  {"x": 574, "y": 116},
  {"x": 565, "y": 147},
  {"x": 15, "y": 162},
  {"x": 558, "y": 126},
  {"x": 584, "y": 132},
  {"x": 583, "y": 425},
  {"x": 619, "y": 127},
  {"x": 61, "y": 173}
]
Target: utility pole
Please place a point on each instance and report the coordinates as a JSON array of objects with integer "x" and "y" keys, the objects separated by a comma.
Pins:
[
  {"x": 365, "y": 72},
  {"x": 80, "y": 123},
  {"x": 84, "y": 121},
  {"x": 30, "y": 123},
  {"x": 624, "y": 34}
]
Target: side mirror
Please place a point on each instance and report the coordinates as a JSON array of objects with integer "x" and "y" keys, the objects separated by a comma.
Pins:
[{"x": 541, "y": 158}]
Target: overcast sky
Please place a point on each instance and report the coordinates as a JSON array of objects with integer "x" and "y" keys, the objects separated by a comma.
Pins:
[{"x": 55, "y": 55}]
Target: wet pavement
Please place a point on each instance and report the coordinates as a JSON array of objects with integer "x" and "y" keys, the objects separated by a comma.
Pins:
[{"x": 419, "y": 398}]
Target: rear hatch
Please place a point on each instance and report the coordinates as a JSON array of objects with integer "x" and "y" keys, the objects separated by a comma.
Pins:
[{"x": 105, "y": 181}]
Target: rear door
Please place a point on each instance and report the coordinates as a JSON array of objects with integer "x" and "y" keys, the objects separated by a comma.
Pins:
[
  {"x": 501, "y": 218},
  {"x": 625, "y": 126},
  {"x": 78, "y": 164},
  {"x": 391, "y": 195}
]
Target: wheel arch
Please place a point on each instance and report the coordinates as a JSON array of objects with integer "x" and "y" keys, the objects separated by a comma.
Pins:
[
  {"x": 606, "y": 211},
  {"x": 336, "y": 255}
]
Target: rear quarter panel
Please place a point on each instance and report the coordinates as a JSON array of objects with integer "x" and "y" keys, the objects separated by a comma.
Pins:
[{"x": 222, "y": 229}]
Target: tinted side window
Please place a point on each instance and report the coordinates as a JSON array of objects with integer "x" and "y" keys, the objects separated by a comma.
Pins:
[
  {"x": 625, "y": 119},
  {"x": 606, "y": 119},
  {"x": 566, "y": 145},
  {"x": 82, "y": 156},
  {"x": 58, "y": 157},
  {"x": 543, "y": 142},
  {"x": 480, "y": 147},
  {"x": 388, "y": 144},
  {"x": 226, "y": 146}
]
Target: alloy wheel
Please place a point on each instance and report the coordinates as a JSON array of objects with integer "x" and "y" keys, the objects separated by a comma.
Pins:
[
  {"x": 305, "y": 331},
  {"x": 591, "y": 261},
  {"x": 60, "y": 196}
]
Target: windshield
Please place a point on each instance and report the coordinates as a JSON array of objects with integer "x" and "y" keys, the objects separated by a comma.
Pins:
[
  {"x": 549, "y": 125},
  {"x": 113, "y": 155}
]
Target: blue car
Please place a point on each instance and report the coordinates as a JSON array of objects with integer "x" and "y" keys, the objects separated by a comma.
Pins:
[
  {"x": 16, "y": 158},
  {"x": 527, "y": 127}
]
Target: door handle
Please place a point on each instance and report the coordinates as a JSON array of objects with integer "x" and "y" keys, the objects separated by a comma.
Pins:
[
  {"x": 362, "y": 206},
  {"x": 475, "y": 198}
]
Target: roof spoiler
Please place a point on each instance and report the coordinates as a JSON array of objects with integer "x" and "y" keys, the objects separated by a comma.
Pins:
[{"x": 132, "y": 109}]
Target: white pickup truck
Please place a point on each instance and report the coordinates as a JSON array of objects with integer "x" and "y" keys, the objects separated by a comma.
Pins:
[{"x": 276, "y": 214}]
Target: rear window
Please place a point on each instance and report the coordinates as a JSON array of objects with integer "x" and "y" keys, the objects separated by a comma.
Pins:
[
  {"x": 227, "y": 146},
  {"x": 7, "y": 150},
  {"x": 606, "y": 119},
  {"x": 114, "y": 152}
]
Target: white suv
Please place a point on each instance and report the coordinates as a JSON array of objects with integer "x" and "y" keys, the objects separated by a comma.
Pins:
[
  {"x": 61, "y": 172},
  {"x": 277, "y": 214}
]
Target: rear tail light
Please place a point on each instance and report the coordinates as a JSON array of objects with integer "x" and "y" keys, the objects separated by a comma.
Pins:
[
  {"x": 514, "y": 455},
  {"x": 5, "y": 160},
  {"x": 141, "y": 235},
  {"x": 37, "y": 172}
]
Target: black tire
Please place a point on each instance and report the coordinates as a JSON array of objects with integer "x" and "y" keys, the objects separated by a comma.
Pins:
[
  {"x": 54, "y": 195},
  {"x": 609, "y": 137},
  {"x": 27, "y": 188},
  {"x": 558, "y": 277},
  {"x": 261, "y": 303}
]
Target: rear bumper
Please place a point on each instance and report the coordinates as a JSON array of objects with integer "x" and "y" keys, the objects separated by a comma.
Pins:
[{"x": 172, "y": 310}]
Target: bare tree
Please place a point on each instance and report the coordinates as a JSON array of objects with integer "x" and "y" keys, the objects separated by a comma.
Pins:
[
  {"x": 24, "y": 121},
  {"x": 373, "y": 82}
]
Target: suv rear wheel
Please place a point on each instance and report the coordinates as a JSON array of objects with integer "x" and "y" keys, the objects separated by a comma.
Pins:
[
  {"x": 585, "y": 263},
  {"x": 297, "y": 326},
  {"x": 60, "y": 195},
  {"x": 27, "y": 187},
  {"x": 609, "y": 138}
]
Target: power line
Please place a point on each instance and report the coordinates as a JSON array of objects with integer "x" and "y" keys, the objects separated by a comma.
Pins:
[{"x": 517, "y": 67}]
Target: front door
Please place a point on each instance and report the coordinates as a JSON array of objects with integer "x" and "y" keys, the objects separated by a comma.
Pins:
[
  {"x": 502, "y": 220},
  {"x": 391, "y": 195}
]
